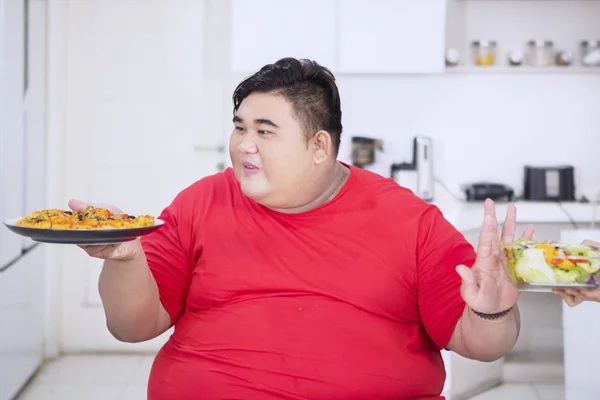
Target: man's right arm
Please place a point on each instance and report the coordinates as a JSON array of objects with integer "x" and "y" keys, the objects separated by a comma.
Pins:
[
  {"x": 128, "y": 289},
  {"x": 129, "y": 293}
]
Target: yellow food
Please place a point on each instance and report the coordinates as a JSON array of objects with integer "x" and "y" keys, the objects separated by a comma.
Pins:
[
  {"x": 91, "y": 218},
  {"x": 549, "y": 252},
  {"x": 487, "y": 60}
]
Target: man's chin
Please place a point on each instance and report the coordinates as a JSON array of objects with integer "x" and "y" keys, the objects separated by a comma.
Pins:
[{"x": 253, "y": 190}]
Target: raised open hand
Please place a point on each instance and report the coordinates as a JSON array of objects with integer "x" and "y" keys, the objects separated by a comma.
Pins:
[{"x": 486, "y": 287}]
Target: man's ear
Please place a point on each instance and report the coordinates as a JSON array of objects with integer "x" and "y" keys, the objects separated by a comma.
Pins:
[{"x": 321, "y": 144}]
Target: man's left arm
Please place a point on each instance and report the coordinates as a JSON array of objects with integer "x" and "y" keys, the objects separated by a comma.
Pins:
[{"x": 448, "y": 321}]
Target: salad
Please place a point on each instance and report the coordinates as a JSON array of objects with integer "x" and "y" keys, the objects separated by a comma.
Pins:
[{"x": 551, "y": 262}]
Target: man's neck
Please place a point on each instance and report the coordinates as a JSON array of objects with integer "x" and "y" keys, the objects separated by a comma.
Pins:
[{"x": 335, "y": 183}]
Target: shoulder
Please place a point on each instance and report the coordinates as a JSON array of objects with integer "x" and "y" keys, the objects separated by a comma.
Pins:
[
  {"x": 399, "y": 209},
  {"x": 207, "y": 189},
  {"x": 195, "y": 202},
  {"x": 388, "y": 196}
]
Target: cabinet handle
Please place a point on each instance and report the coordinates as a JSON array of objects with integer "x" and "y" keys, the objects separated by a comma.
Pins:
[
  {"x": 221, "y": 166},
  {"x": 218, "y": 148}
]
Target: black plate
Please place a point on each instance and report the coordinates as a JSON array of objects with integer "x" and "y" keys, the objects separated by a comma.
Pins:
[{"x": 81, "y": 236}]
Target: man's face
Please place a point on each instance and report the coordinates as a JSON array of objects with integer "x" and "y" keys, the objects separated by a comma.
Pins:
[{"x": 269, "y": 151}]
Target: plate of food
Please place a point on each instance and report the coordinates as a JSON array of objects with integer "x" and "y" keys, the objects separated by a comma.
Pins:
[
  {"x": 548, "y": 265},
  {"x": 93, "y": 226}
]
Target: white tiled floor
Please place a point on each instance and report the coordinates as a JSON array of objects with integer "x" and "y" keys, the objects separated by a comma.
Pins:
[
  {"x": 91, "y": 377},
  {"x": 124, "y": 377},
  {"x": 522, "y": 391}
]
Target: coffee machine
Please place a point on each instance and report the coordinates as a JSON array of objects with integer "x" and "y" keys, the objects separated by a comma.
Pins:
[
  {"x": 423, "y": 161},
  {"x": 418, "y": 175},
  {"x": 364, "y": 150}
]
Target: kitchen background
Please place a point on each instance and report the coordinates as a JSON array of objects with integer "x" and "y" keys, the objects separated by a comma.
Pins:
[{"x": 129, "y": 101}]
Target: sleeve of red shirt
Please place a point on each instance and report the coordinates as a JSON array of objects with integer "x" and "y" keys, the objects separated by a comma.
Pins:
[
  {"x": 441, "y": 248},
  {"x": 169, "y": 262}
]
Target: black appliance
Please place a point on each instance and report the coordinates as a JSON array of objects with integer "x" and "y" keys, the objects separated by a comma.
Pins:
[
  {"x": 364, "y": 150},
  {"x": 480, "y": 191},
  {"x": 549, "y": 183}
]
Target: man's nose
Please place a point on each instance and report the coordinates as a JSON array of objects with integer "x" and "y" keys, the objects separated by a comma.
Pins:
[{"x": 247, "y": 145}]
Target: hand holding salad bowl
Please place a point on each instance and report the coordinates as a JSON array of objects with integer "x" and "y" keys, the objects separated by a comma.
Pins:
[{"x": 575, "y": 297}]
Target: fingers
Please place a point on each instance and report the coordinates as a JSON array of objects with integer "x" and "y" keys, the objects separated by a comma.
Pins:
[
  {"x": 468, "y": 288},
  {"x": 572, "y": 299},
  {"x": 109, "y": 207},
  {"x": 119, "y": 252},
  {"x": 510, "y": 225},
  {"x": 77, "y": 205},
  {"x": 591, "y": 243},
  {"x": 529, "y": 232},
  {"x": 488, "y": 237},
  {"x": 104, "y": 252},
  {"x": 80, "y": 206},
  {"x": 575, "y": 297},
  {"x": 583, "y": 295}
]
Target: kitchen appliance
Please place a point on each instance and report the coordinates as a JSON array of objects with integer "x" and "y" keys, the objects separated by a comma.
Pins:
[
  {"x": 423, "y": 161},
  {"x": 549, "y": 183},
  {"x": 479, "y": 191},
  {"x": 364, "y": 150},
  {"x": 417, "y": 175},
  {"x": 405, "y": 175}
]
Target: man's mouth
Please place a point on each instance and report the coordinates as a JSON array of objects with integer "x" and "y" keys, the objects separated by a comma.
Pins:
[
  {"x": 249, "y": 168},
  {"x": 248, "y": 165}
]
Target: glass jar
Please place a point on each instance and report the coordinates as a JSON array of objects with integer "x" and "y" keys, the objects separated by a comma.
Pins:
[
  {"x": 564, "y": 58},
  {"x": 452, "y": 57},
  {"x": 515, "y": 58},
  {"x": 590, "y": 53},
  {"x": 540, "y": 53},
  {"x": 484, "y": 52}
]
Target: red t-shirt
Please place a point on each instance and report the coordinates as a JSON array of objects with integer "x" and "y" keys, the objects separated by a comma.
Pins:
[{"x": 352, "y": 300}]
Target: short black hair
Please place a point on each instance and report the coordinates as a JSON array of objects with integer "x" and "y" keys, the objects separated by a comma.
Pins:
[{"x": 308, "y": 86}]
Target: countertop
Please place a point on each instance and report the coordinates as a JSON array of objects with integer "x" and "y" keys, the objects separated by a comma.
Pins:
[{"x": 466, "y": 216}]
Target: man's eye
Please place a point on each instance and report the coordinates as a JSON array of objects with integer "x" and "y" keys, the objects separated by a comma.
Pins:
[
  {"x": 239, "y": 129},
  {"x": 261, "y": 132}
]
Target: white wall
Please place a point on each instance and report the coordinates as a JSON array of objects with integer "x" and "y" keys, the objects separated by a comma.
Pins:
[{"x": 484, "y": 126}]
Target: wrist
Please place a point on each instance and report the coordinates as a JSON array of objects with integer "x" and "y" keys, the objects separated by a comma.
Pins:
[{"x": 493, "y": 316}]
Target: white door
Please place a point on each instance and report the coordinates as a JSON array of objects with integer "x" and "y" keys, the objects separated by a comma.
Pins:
[
  {"x": 137, "y": 130},
  {"x": 12, "y": 94}
]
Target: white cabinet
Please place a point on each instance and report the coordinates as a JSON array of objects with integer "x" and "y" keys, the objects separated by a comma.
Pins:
[
  {"x": 34, "y": 119},
  {"x": 348, "y": 36},
  {"x": 581, "y": 330},
  {"x": 392, "y": 36},
  {"x": 263, "y": 31},
  {"x": 21, "y": 275},
  {"x": 22, "y": 319},
  {"x": 11, "y": 125}
]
